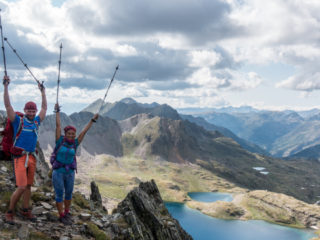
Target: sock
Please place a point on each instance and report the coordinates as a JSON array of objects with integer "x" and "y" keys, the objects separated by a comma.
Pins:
[
  {"x": 66, "y": 211},
  {"x": 61, "y": 215}
]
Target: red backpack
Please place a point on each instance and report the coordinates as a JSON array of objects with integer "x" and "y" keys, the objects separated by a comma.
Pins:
[{"x": 8, "y": 138}]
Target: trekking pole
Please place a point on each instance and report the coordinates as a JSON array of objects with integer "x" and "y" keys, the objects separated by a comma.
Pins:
[
  {"x": 108, "y": 88},
  {"x": 3, "y": 52},
  {"x": 58, "y": 84},
  {"x": 24, "y": 64}
]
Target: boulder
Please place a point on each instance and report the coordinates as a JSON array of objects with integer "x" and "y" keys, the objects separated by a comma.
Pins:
[{"x": 145, "y": 214}]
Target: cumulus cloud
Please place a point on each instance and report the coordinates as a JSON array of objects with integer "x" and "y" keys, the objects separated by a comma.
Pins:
[
  {"x": 167, "y": 47},
  {"x": 225, "y": 79}
]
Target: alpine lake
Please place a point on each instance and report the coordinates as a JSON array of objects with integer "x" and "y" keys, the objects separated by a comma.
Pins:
[{"x": 203, "y": 227}]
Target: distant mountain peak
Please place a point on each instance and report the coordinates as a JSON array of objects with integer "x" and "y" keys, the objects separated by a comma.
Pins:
[
  {"x": 128, "y": 100},
  {"x": 93, "y": 107}
]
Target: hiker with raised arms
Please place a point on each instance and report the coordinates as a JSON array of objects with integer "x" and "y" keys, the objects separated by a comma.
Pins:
[
  {"x": 64, "y": 164},
  {"x": 25, "y": 132}
]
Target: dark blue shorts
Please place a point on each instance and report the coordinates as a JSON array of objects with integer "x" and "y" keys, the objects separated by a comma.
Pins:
[{"x": 63, "y": 184}]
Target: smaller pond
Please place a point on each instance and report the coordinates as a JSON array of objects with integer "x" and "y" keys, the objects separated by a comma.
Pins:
[{"x": 210, "y": 196}]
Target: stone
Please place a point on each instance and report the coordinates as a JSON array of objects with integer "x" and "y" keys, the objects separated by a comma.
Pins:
[
  {"x": 4, "y": 169},
  {"x": 104, "y": 219},
  {"x": 64, "y": 238},
  {"x": 38, "y": 210},
  {"x": 46, "y": 205},
  {"x": 85, "y": 216},
  {"x": 23, "y": 232},
  {"x": 98, "y": 223},
  {"x": 76, "y": 237},
  {"x": 48, "y": 194}
]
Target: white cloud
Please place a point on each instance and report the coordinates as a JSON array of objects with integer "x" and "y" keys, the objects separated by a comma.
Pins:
[
  {"x": 204, "y": 58},
  {"x": 182, "y": 49},
  {"x": 307, "y": 82},
  {"x": 225, "y": 79}
]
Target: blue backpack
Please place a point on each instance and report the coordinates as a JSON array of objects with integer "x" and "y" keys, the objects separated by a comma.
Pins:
[{"x": 56, "y": 164}]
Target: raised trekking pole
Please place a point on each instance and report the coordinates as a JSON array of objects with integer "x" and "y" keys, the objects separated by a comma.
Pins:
[
  {"x": 58, "y": 84},
  {"x": 108, "y": 88},
  {"x": 24, "y": 64},
  {"x": 3, "y": 52}
]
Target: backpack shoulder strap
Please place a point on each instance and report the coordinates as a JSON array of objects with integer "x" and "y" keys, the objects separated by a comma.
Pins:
[
  {"x": 57, "y": 147},
  {"x": 19, "y": 130}
]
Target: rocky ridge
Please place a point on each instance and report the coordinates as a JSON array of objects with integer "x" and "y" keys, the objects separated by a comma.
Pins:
[{"x": 130, "y": 220}]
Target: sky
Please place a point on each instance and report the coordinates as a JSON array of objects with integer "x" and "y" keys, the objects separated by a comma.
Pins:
[{"x": 185, "y": 53}]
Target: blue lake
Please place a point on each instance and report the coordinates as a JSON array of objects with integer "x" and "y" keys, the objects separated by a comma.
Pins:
[
  {"x": 210, "y": 196},
  {"x": 203, "y": 227}
]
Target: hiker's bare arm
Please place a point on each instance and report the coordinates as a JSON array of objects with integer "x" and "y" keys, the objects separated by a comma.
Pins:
[
  {"x": 87, "y": 127},
  {"x": 43, "y": 110},
  {"x": 10, "y": 112},
  {"x": 58, "y": 122}
]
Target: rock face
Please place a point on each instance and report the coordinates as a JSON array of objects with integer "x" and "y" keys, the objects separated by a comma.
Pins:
[
  {"x": 145, "y": 212},
  {"x": 95, "y": 195}
]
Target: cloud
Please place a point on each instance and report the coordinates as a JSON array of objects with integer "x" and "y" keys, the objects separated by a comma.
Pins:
[
  {"x": 168, "y": 47},
  {"x": 302, "y": 82},
  {"x": 225, "y": 79},
  {"x": 198, "y": 20}
]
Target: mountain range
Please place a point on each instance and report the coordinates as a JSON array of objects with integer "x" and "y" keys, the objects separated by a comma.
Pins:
[
  {"x": 128, "y": 107},
  {"x": 280, "y": 133},
  {"x": 161, "y": 133}
]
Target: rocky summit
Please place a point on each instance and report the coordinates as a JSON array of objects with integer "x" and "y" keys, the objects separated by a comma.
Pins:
[{"x": 141, "y": 215}]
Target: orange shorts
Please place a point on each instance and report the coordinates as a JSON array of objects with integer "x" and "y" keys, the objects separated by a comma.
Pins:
[{"x": 24, "y": 176}]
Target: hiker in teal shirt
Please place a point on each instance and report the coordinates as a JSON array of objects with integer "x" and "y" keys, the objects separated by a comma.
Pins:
[{"x": 64, "y": 164}]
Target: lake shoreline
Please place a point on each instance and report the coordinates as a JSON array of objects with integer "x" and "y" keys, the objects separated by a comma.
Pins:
[
  {"x": 241, "y": 208},
  {"x": 200, "y": 226}
]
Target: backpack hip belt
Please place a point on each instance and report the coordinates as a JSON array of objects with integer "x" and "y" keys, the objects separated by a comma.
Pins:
[{"x": 27, "y": 157}]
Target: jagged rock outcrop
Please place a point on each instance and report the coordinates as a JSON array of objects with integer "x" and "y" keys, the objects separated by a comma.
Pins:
[
  {"x": 145, "y": 212},
  {"x": 95, "y": 196}
]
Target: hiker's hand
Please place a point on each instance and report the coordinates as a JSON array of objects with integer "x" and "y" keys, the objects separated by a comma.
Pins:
[
  {"x": 41, "y": 87},
  {"x": 95, "y": 117},
  {"x": 56, "y": 108},
  {"x": 6, "y": 80}
]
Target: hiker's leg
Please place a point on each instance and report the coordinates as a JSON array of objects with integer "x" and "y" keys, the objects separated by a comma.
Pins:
[
  {"x": 21, "y": 181},
  {"x": 30, "y": 178},
  {"x": 59, "y": 207},
  {"x": 26, "y": 197},
  {"x": 69, "y": 183},
  {"x": 67, "y": 204},
  {"x": 15, "y": 197},
  {"x": 57, "y": 181}
]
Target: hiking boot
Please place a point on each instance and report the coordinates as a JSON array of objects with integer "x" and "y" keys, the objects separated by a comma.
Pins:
[
  {"x": 26, "y": 214},
  {"x": 9, "y": 218},
  {"x": 65, "y": 220}
]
